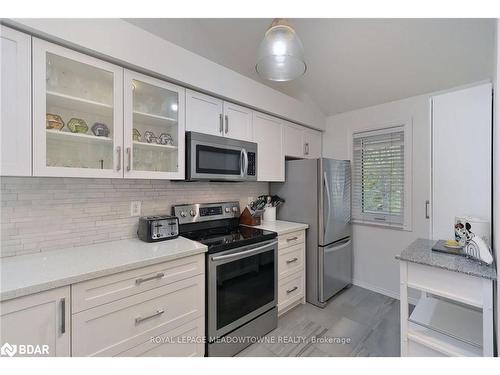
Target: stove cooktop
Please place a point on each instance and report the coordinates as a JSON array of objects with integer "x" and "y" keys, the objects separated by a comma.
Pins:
[{"x": 224, "y": 238}]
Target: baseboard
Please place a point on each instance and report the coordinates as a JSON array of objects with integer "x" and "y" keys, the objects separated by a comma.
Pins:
[{"x": 385, "y": 292}]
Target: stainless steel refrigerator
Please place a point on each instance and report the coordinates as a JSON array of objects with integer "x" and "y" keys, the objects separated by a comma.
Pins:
[{"x": 318, "y": 192}]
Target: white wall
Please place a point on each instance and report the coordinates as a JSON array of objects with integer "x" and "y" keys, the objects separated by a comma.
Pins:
[
  {"x": 132, "y": 46},
  {"x": 374, "y": 247}
]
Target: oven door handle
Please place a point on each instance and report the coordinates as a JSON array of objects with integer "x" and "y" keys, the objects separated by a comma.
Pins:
[{"x": 245, "y": 253}]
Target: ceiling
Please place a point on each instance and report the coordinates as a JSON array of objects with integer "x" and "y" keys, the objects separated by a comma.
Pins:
[{"x": 352, "y": 63}]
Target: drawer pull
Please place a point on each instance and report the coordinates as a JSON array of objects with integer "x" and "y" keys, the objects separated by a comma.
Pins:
[
  {"x": 292, "y": 239},
  {"x": 292, "y": 260},
  {"x": 292, "y": 290},
  {"x": 140, "y": 319},
  {"x": 159, "y": 275}
]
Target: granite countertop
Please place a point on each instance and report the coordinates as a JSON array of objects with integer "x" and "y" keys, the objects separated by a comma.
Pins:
[
  {"x": 420, "y": 251},
  {"x": 281, "y": 227},
  {"x": 32, "y": 273}
]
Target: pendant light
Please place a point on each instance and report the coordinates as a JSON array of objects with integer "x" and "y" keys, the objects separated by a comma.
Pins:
[{"x": 281, "y": 56}]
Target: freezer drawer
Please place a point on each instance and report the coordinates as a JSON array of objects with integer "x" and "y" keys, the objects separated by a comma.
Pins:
[{"x": 335, "y": 268}]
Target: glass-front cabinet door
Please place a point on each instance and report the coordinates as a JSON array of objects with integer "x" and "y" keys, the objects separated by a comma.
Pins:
[
  {"x": 154, "y": 128},
  {"x": 77, "y": 114}
]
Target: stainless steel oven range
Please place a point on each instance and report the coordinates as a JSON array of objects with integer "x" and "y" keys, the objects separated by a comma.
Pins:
[{"x": 241, "y": 275}]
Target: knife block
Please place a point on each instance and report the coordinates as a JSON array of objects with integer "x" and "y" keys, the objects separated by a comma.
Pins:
[{"x": 246, "y": 218}]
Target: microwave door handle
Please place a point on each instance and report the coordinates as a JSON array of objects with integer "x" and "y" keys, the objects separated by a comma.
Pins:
[
  {"x": 245, "y": 155},
  {"x": 242, "y": 162}
]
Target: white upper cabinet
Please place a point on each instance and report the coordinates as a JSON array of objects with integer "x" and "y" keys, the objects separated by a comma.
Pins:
[
  {"x": 268, "y": 134},
  {"x": 237, "y": 122},
  {"x": 38, "y": 319},
  {"x": 77, "y": 114},
  {"x": 312, "y": 144},
  {"x": 293, "y": 140},
  {"x": 153, "y": 128},
  {"x": 204, "y": 113},
  {"x": 15, "y": 159}
]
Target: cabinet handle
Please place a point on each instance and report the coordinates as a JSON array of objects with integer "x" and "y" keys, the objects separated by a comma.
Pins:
[
  {"x": 292, "y": 239},
  {"x": 159, "y": 275},
  {"x": 227, "y": 123},
  {"x": 63, "y": 315},
  {"x": 129, "y": 159},
  {"x": 427, "y": 215},
  {"x": 221, "y": 123},
  {"x": 292, "y": 290},
  {"x": 306, "y": 148},
  {"x": 141, "y": 319},
  {"x": 292, "y": 260},
  {"x": 119, "y": 153}
]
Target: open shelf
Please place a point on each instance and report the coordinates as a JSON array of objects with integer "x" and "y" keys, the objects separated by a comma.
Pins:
[
  {"x": 76, "y": 137},
  {"x": 154, "y": 146},
  {"x": 450, "y": 328},
  {"x": 156, "y": 120},
  {"x": 56, "y": 99}
]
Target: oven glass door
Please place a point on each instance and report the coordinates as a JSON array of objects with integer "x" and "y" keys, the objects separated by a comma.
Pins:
[
  {"x": 243, "y": 286},
  {"x": 218, "y": 160}
]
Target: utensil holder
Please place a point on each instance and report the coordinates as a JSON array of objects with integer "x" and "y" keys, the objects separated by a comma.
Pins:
[{"x": 269, "y": 214}]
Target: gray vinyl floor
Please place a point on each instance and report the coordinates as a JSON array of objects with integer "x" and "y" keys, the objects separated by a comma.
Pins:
[{"x": 356, "y": 322}]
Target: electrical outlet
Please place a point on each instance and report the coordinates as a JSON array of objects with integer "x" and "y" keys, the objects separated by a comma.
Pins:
[{"x": 135, "y": 208}]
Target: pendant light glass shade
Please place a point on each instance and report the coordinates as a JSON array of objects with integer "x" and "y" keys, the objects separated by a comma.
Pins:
[{"x": 281, "y": 56}]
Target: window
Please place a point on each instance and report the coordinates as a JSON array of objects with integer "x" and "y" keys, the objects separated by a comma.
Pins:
[{"x": 380, "y": 163}]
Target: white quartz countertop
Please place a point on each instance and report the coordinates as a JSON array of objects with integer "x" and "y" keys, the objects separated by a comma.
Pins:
[
  {"x": 27, "y": 274},
  {"x": 281, "y": 227}
]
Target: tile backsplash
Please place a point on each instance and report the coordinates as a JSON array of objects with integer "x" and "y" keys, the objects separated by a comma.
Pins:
[{"x": 41, "y": 214}]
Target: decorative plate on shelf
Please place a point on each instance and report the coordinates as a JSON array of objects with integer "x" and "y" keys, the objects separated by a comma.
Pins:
[
  {"x": 54, "y": 122},
  {"x": 165, "y": 139},
  {"x": 136, "y": 135},
  {"x": 100, "y": 130},
  {"x": 149, "y": 136},
  {"x": 77, "y": 125}
]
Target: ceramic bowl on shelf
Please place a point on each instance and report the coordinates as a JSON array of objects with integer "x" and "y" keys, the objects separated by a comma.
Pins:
[
  {"x": 136, "y": 135},
  {"x": 77, "y": 125},
  {"x": 149, "y": 136},
  {"x": 54, "y": 122},
  {"x": 165, "y": 139},
  {"x": 100, "y": 130}
]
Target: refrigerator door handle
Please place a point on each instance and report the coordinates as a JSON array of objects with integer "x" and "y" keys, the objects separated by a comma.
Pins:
[
  {"x": 341, "y": 244},
  {"x": 328, "y": 203}
]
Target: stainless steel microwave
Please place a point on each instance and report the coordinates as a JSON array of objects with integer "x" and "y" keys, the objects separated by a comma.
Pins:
[{"x": 209, "y": 157}]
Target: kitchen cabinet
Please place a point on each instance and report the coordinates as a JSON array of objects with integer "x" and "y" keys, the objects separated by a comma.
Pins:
[
  {"x": 237, "y": 122},
  {"x": 73, "y": 94},
  {"x": 293, "y": 140},
  {"x": 204, "y": 113},
  {"x": 16, "y": 103},
  {"x": 209, "y": 115},
  {"x": 38, "y": 319},
  {"x": 268, "y": 134},
  {"x": 312, "y": 144},
  {"x": 153, "y": 128}
]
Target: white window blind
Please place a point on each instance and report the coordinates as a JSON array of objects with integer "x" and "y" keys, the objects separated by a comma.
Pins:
[{"x": 378, "y": 176}]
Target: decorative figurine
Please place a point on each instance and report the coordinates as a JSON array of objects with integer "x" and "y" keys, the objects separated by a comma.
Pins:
[
  {"x": 136, "y": 135},
  {"x": 77, "y": 125},
  {"x": 100, "y": 130},
  {"x": 165, "y": 139},
  {"x": 54, "y": 122},
  {"x": 149, "y": 136}
]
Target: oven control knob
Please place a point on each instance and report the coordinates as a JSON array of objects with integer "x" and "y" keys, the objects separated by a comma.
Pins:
[
  {"x": 183, "y": 213},
  {"x": 235, "y": 209},
  {"x": 192, "y": 212},
  {"x": 227, "y": 209}
]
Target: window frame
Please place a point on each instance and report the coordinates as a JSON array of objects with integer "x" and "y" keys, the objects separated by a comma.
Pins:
[{"x": 370, "y": 219}]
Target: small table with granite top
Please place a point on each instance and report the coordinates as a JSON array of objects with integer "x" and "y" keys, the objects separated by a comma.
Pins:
[{"x": 454, "y": 316}]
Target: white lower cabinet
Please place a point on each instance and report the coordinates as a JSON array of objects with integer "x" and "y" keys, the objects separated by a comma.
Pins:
[
  {"x": 37, "y": 324},
  {"x": 291, "y": 270}
]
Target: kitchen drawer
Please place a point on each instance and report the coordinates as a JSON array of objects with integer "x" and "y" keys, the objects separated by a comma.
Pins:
[
  {"x": 107, "y": 289},
  {"x": 290, "y": 260},
  {"x": 112, "y": 328},
  {"x": 290, "y": 239},
  {"x": 290, "y": 289},
  {"x": 184, "y": 341}
]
